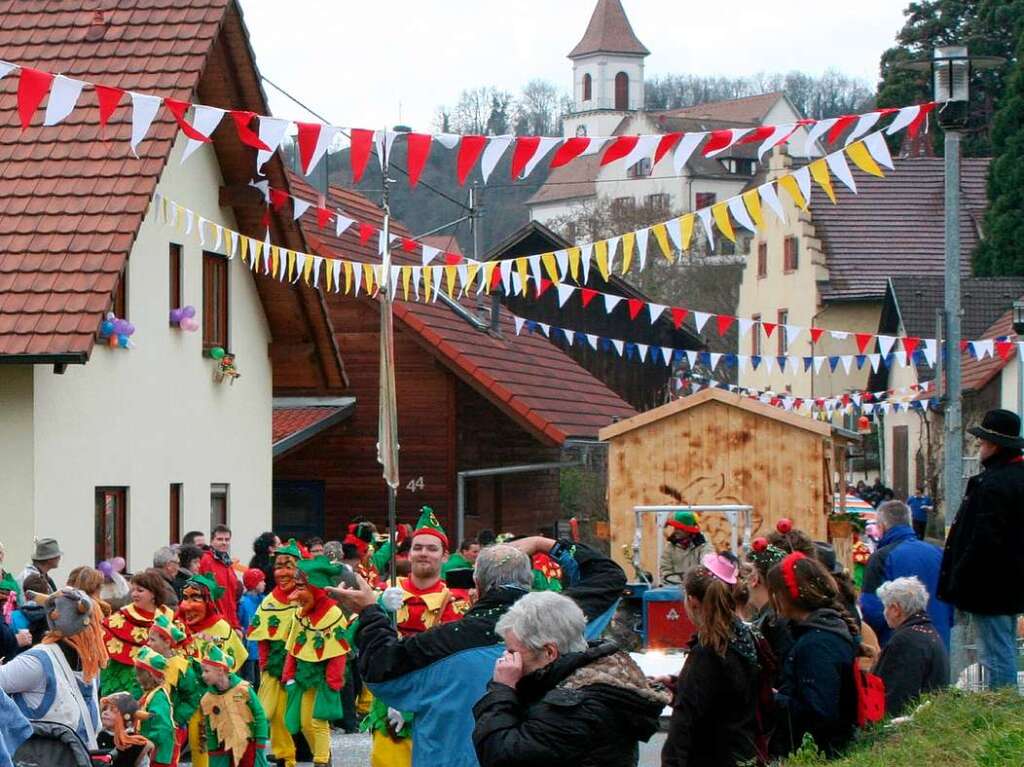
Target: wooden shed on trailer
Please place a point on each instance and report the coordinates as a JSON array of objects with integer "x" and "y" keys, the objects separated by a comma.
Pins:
[{"x": 719, "y": 447}]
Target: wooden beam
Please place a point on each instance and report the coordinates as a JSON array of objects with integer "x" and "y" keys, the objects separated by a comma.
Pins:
[{"x": 240, "y": 196}]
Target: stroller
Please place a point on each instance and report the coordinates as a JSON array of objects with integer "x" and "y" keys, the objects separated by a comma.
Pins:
[{"x": 53, "y": 744}]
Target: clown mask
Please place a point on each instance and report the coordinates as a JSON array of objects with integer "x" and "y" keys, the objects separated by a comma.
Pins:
[
  {"x": 193, "y": 607},
  {"x": 305, "y": 594},
  {"x": 284, "y": 572}
]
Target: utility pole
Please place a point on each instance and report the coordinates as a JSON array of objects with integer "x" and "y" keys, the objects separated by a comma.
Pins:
[{"x": 953, "y": 432}]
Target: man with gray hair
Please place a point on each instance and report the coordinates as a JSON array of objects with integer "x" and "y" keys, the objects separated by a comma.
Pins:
[
  {"x": 553, "y": 698},
  {"x": 915, "y": 659},
  {"x": 901, "y": 554},
  {"x": 440, "y": 673},
  {"x": 166, "y": 561}
]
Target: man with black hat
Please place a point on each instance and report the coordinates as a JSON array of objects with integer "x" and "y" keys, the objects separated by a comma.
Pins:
[
  {"x": 982, "y": 567},
  {"x": 36, "y": 575}
]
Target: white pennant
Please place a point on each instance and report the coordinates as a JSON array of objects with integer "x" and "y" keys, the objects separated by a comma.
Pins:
[
  {"x": 792, "y": 333},
  {"x": 613, "y": 246},
  {"x": 534, "y": 262},
  {"x": 714, "y": 359},
  {"x": 691, "y": 357},
  {"x": 546, "y": 144},
  {"x": 770, "y": 197},
  {"x": 874, "y": 359},
  {"x": 737, "y": 134},
  {"x": 875, "y": 144},
  {"x": 903, "y": 118},
  {"x": 271, "y": 132},
  {"x": 144, "y": 109},
  {"x": 341, "y": 223},
  {"x": 700, "y": 320},
  {"x": 744, "y": 324},
  {"x": 769, "y": 364},
  {"x": 839, "y": 335},
  {"x": 655, "y": 311},
  {"x": 357, "y": 278},
  {"x": 232, "y": 243},
  {"x": 617, "y": 344},
  {"x": 645, "y": 147},
  {"x": 324, "y": 140},
  {"x": 564, "y": 291},
  {"x": 6, "y": 68},
  {"x": 570, "y": 336},
  {"x": 64, "y": 93},
  {"x": 199, "y": 230},
  {"x": 885, "y": 344},
  {"x": 839, "y": 167},
  {"x": 687, "y": 144},
  {"x": 595, "y": 145},
  {"x": 704, "y": 214},
  {"x": 739, "y": 212},
  {"x": 984, "y": 348},
  {"x": 592, "y": 340},
  {"x": 610, "y": 302},
  {"x": 336, "y": 268},
  {"x": 437, "y": 274},
  {"x": 778, "y": 136},
  {"x": 803, "y": 180},
  {"x": 429, "y": 254},
  {"x": 847, "y": 360},
  {"x": 384, "y": 140},
  {"x": 505, "y": 270},
  {"x": 641, "y": 246},
  {"x": 519, "y": 321},
  {"x": 496, "y": 146},
  {"x": 448, "y": 140},
  {"x": 299, "y": 207},
  {"x": 205, "y": 120},
  {"x": 865, "y": 123},
  {"x": 930, "y": 348},
  {"x": 818, "y": 362},
  {"x": 317, "y": 260},
  {"x": 642, "y": 349},
  {"x": 820, "y": 129},
  {"x": 666, "y": 354},
  {"x": 544, "y": 328},
  {"x": 219, "y": 237},
  {"x": 562, "y": 259},
  {"x": 587, "y": 252}
]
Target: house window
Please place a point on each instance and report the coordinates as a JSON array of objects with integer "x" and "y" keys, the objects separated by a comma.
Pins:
[
  {"x": 218, "y": 504},
  {"x": 755, "y": 335},
  {"x": 623, "y": 205},
  {"x": 791, "y": 257},
  {"x": 743, "y": 167},
  {"x": 174, "y": 276},
  {"x": 705, "y": 199},
  {"x": 657, "y": 202},
  {"x": 622, "y": 91},
  {"x": 120, "y": 305},
  {"x": 215, "y": 301},
  {"x": 174, "y": 511},
  {"x": 641, "y": 169},
  {"x": 587, "y": 85},
  {"x": 780, "y": 331},
  {"x": 762, "y": 259},
  {"x": 111, "y": 522}
]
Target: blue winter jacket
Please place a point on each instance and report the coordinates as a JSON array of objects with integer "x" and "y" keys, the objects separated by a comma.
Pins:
[
  {"x": 440, "y": 674},
  {"x": 900, "y": 554}
]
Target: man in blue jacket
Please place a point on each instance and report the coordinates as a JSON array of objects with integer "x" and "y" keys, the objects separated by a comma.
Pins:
[
  {"x": 439, "y": 674},
  {"x": 901, "y": 554}
]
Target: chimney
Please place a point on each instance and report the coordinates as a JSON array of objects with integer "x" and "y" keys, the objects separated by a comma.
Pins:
[{"x": 97, "y": 28}]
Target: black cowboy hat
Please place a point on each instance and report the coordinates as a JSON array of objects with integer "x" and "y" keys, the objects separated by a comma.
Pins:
[{"x": 1001, "y": 427}]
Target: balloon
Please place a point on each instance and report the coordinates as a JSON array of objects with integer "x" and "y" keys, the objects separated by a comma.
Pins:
[
  {"x": 110, "y": 316},
  {"x": 119, "y": 327},
  {"x": 190, "y": 325},
  {"x": 106, "y": 328},
  {"x": 189, "y": 311},
  {"x": 176, "y": 316},
  {"x": 112, "y": 342},
  {"x": 217, "y": 353},
  {"x": 129, "y": 329}
]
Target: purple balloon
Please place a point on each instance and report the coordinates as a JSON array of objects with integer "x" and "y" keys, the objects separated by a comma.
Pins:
[
  {"x": 129, "y": 329},
  {"x": 189, "y": 311},
  {"x": 119, "y": 327},
  {"x": 192, "y": 325},
  {"x": 176, "y": 316}
]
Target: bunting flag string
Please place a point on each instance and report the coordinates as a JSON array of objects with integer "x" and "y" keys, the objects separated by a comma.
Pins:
[{"x": 528, "y": 152}]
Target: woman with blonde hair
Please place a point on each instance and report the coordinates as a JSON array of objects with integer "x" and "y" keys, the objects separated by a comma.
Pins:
[{"x": 90, "y": 581}]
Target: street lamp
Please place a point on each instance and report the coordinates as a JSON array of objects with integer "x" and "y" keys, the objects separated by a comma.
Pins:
[{"x": 1018, "y": 328}]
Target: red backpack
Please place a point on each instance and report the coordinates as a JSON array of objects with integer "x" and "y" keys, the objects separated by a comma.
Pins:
[{"x": 870, "y": 696}]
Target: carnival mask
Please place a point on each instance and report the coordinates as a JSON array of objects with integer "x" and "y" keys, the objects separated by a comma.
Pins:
[
  {"x": 284, "y": 571},
  {"x": 193, "y": 607},
  {"x": 304, "y": 595}
]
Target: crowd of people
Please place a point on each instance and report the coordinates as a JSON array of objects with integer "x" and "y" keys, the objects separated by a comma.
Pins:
[{"x": 491, "y": 654}]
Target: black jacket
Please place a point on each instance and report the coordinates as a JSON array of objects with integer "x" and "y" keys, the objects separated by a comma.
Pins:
[
  {"x": 587, "y": 709},
  {"x": 776, "y": 632},
  {"x": 913, "y": 662},
  {"x": 714, "y": 714},
  {"x": 817, "y": 694},
  {"x": 982, "y": 565}
]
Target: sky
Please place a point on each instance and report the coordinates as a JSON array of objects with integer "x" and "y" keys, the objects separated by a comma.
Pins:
[{"x": 367, "y": 65}]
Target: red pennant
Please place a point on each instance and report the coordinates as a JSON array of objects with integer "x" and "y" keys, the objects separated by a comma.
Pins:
[
  {"x": 570, "y": 150},
  {"x": 108, "y": 99},
  {"x": 964, "y": 343},
  {"x": 1004, "y": 349},
  {"x": 495, "y": 278},
  {"x": 545, "y": 283},
  {"x": 418, "y": 145},
  {"x": 863, "y": 339},
  {"x": 409, "y": 245},
  {"x": 816, "y": 334},
  {"x": 845, "y": 399},
  {"x": 768, "y": 328},
  {"x": 587, "y": 295},
  {"x": 622, "y": 146},
  {"x": 245, "y": 134},
  {"x": 365, "y": 233},
  {"x": 724, "y": 322},
  {"x": 758, "y": 135},
  {"x": 278, "y": 198},
  {"x": 452, "y": 259},
  {"x": 178, "y": 108},
  {"x": 526, "y": 147},
  {"x": 469, "y": 152},
  {"x": 323, "y": 216},
  {"x": 635, "y": 305},
  {"x": 841, "y": 125},
  {"x": 359, "y": 152},
  {"x": 309, "y": 134},
  {"x": 667, "y": 143},
  {"x": 910, "y": 344},
  {"x": 719, "y": 139},
  {"x": 918, "y": 121},
  {"x": 678, "y": 315},
  {"x": 32, "y": 88}
]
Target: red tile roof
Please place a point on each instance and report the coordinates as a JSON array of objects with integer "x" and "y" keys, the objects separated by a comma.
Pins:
[
  {"x": 749, "y": 109},
  {"x": 72, "y": 197},
  {"x": 288, "y": 420},
  {"x": 609, "y": 31},
  {"x": 525, "y": 376},
  {"x": 975, "y": 374}
]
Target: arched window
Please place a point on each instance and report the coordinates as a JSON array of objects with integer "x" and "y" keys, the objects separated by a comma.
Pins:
[
  {"x": 586, "y": 87},
  {"x": 622, "y": 91}
]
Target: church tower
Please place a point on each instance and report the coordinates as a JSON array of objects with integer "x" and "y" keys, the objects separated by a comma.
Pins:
[{"x": 607, "y": 73}]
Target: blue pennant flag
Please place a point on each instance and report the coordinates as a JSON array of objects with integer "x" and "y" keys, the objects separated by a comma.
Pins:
[
  {"x": 832, "y": 363},
  {"x": 755, "y": 360},
  {"x": 808, "y": 361},
  {"x": 861, "y": 359}
]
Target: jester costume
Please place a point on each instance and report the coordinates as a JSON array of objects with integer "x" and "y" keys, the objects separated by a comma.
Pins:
[
  {"x": 314, "y": 671},
  {"x": 181, "y": 677},
  {"x": 124, "y": 632},
  {"x": 270, "y": 627},
  {"x": 156, "y": 711},
  {"x": 206, "y": 628},
  {"x": 236, "y": 726}
]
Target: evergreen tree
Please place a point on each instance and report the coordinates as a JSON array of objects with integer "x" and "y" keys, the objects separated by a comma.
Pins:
[{"x": 1000, "y": 252}]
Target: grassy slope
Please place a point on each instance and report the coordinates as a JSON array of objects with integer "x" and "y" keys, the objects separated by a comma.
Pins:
[{"x": 956, "y": 730}]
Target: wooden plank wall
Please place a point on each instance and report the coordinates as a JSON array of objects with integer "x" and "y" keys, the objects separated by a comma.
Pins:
[{"x": 714, "y": 454}]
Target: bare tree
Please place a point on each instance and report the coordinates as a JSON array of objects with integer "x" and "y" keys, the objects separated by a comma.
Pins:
[{"x": 539, "y": 109}]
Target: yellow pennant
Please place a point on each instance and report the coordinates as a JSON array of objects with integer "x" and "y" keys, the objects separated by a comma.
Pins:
[
  {"x": 819, "y": 172},
  {"x": 257, "y": 251},
  {"x": 406, "y": 276},
  {"x": 601, "y": 258},
  {"x": 627, "y": 250},
  {"x": 661, "y": 235},
  {"x": 574, "y": 262},
  {"x": 427, "y": 276},
  {"x": 307, "y": 269},
  {"x": 347, "y": 268},
  {"x": 862, "y": 159},
  {"x": 368, "y": 278},
  {"x": 790, "y": 185},
  {"x": 551, "y": 267},
  {"x": 449, "y": 278},
  {"x": 521, "y": 265},
  {"x": 686, "y": 230},
  {"x": 291, "y": 264},
  {"x": 472, "y": 269},
  {"x": 329, "y": 266},
  {"x": 753, "y": 202},
  {"x": 489, "y": 268},
  {"x": 275, "y": 259},
  {"x": 720, "y": 212},
  {"x": 244, "y": 244}
]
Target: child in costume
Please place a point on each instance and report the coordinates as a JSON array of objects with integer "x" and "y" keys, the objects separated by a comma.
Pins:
[
  {"x": 206, "y": 627},
  {"x": 270, "y": 628},
  {"x": 128, "y": 629},
  {"x": 120, "y": 736},
  {"x": 255, "y": 584},
  {"x": 157, "y": 719},
  {"x": 314, "y": 670},
  {"x": 182, "y": 675},
  {"x": 235, "y": 724}
]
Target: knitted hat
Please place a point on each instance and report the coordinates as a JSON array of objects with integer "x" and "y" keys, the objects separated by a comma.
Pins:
[
  {"x": 151, "y": 660},
  {"x": 686, "y": 521},
  {"x": 320, "y": 572},
  {"x": 216, "y": 656},
  {"x": 428, "y": 525},
  {"x": 208, "y": 584},
  {"x": 252, "y": 578},
  {"x": 171, "y": 630},
  {"x": 291, "y": 549}
]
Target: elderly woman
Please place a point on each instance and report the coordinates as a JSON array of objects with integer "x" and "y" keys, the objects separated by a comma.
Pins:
[
  {"x": 555, "y": 700},
  {"x": 914, "y": 661}
]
